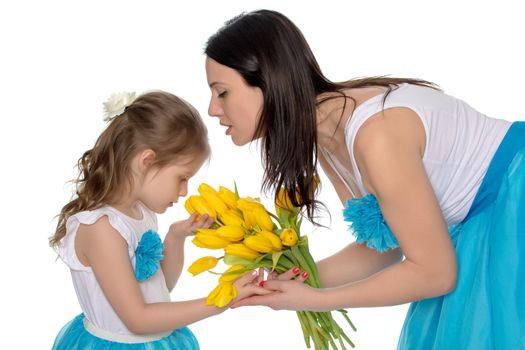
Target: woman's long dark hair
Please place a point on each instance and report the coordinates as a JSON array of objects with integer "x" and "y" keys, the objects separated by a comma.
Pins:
[{"x": 271, "y": 53}]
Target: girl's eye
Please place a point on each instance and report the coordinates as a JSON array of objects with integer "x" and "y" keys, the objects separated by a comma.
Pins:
[{"x": 222, "y": 94}]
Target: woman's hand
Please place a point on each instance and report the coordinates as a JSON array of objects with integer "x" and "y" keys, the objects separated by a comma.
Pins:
[
  {"x": 282, "y": 292},
  {"x": 184, "y": 228}
]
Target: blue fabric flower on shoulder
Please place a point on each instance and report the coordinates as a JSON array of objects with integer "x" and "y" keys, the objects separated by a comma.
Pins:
[
  {"x": 367, "y": 223},
  {"x": 148, "y": 255}
]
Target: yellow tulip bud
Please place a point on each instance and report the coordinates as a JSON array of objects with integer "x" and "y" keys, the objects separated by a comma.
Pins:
[
  {"x": 273, "y": 238},
  {"x": 202, "y": 207},
  {"x": 189, "y": 208},
  {"x": 258, "y": 243},
  {"x": 249, "y": 219},
  {"x": 242, "y": 251},
  {"x": 231, "y": 218},
  {"x": 207, "y": 231},
  {"x": 222, "y": 295},
  {"x": 203, "y": 264},
  {"x": 226, "y": 295},
  {"x": 289, "y": 237},
  {"x": 212, "y": 197},
  {"x": 263, "y": 219},
  {"x": 230, "y": 275},
  {"x": 210, "y": 300},
  {"x": 248, "y": 203},
  {"x": 204, "y": 240},
  {"x": 228, "y": 197},
  {"x": 283, "y": 200},
  {"x": 231, "y": 233}
]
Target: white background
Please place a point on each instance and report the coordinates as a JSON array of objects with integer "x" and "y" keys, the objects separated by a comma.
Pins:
[{"x": 60, "y": 60}]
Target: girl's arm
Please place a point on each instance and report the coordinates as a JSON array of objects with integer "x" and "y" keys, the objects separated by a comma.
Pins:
[
  {"x": 355, "y": 261},
  {"x": 389, "y": 157},
  {"x": 103, "y": 248},
  {"x": 174, "y": 246}
]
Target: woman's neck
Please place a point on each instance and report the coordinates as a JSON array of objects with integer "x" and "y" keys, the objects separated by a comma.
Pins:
[{"x": 332, "y": 115}]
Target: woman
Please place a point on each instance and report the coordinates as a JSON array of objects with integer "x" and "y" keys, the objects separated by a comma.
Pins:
[{"x": 422, "y": 176}]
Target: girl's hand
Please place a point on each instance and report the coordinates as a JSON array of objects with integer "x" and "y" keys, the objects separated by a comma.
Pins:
[
  {"x": 282, "y": 293},
  {"x": 248, "y": 285},
  {"x": 184, "y": 228}
]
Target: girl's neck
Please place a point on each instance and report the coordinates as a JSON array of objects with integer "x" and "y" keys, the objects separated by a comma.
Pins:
[{"x": 128, "y": 207}]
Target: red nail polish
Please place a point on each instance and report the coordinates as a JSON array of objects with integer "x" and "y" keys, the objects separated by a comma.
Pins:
[
  {"x": 261, "y": 284},
  {"x": 304, "y": 275},
  {"x": 295, "y": 270}
]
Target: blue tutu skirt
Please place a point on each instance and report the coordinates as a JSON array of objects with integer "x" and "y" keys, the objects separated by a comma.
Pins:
[
  {"x": 487, "y": 308},
  {"x": 74, "y": 336}
]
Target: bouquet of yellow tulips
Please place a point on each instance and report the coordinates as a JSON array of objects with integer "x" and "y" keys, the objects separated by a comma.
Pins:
[{"x": 250, "y": 238}]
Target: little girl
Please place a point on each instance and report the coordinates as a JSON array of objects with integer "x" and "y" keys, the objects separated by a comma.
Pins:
[{"x": 121, "y": 270}]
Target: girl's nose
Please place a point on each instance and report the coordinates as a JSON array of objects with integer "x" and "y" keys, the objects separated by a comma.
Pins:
[{"x": 183, "y": 191}]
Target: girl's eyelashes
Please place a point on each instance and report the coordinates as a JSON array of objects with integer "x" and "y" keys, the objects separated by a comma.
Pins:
[{"x": 222, "y": 94}]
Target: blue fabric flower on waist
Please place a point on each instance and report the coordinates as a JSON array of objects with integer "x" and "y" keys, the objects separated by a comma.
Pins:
[
  {"x": 148, "y": 255},
  {"x": 367, "y": 223}
]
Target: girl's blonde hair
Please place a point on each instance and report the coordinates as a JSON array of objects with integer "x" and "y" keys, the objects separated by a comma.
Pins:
[{"x": 159, "y": 121}]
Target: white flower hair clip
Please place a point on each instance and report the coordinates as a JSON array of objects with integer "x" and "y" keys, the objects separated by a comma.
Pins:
[{"x": 116, "y": 104}]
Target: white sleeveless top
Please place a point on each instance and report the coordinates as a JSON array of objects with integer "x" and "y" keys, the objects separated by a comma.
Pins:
[
  {"x": 460, "y": 143},
  {"x": 92, "y": 300}
]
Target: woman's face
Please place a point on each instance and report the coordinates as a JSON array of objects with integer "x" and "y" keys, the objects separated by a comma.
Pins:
[{"x": 237, "y": 104}]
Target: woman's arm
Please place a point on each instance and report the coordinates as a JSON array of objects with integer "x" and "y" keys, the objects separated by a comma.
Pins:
[
  {"x": 390, "y": 162},
  {"x": 355, "y": 261},
  {"x": 103, "y": 248}
]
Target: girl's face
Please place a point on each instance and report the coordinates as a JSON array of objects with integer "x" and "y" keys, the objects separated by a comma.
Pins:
[
  {"x": 162, "y": 187},
  {"x": 237, "y": 104}
]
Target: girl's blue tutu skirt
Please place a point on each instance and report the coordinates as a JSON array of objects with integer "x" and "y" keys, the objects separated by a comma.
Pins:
[
  {"x": 74, "y": 336},
  {"x": 487, "y": 308}
]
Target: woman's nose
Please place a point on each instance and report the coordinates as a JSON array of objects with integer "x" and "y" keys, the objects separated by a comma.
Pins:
[{"x": 214, "y": 109}]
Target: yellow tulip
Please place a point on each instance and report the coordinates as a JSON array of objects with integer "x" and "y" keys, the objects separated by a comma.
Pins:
[
  {"x": 289, "y": 237},
  {"x": 231, "y": 218},
  {"x": 231, "y": 233},
  {"x": 222, "y": 295},
  {"x": 228, "y": 197},
  {"x": 207, "y": 231},
  {"x": 189, "y": 208},
  {"x": 212, "y": 197},
  {"x": 230, "y": 276},
  {"x": 201, "y": 206},
  {"x": 249, "y": 219},
  {"x": 283, "y": 201},
  {"x": 210, "y": 241},
  {"x": 248, "y": 203},
  {"x": 259, "y": 243},
  {"x": 203, "y": 264},
  {"x": 273, "y": 238},
  {"x": 263, "y": 219},
  {"x": 226, "y": 295},
  {"x": 242, "y": 251}
]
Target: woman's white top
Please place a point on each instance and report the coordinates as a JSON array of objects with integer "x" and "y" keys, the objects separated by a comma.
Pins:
[
  {"x": 460, "y": 143},
  {"x": 93, "y": 302}
]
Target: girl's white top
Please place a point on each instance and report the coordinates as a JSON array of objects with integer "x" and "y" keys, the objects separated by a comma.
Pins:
[
  {"x": 92, "y": 300},
  {"x": 460, "y": 143}
]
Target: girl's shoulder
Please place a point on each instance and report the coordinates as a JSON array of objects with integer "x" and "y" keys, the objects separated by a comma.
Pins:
[{"x": 100, "y": 219}]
